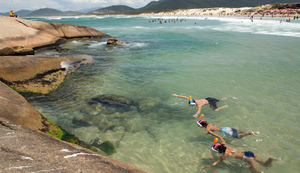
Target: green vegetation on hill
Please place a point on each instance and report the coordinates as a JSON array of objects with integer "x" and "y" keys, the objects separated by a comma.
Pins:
[
  {"x": 188, "y": 4},
  {"x": 114, "y": 9},
  {"x": 164, "y": 5},
  {"x": 52, "y": 12}
]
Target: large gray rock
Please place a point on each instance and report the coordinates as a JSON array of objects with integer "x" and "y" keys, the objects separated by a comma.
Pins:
[
  {"x": 26, "y": 150},
  {"x": 21, "y": 36},
  {"x": 15, "y": 108}
]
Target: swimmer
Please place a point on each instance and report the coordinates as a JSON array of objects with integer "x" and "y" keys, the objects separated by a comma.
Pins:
[
  {"x": 201, "y": 102},
  {"x": 228, "y": 151},
  {"x": 210, "y": 128}
]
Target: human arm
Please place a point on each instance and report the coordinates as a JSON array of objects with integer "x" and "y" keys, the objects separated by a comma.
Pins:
[
  {"x": 175, "y": 95},
  {"x": 198, "y": 111},
  {"x": 221, "y": 158},
  {"x": 208, "y": 131},
  {"x": 222, "y": 141}
]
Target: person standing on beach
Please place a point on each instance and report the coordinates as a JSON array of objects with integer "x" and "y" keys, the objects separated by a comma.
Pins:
[
  {"x": 201, "y": 102},
  {"x": 228, "y": 151},
  {"x": 210, "y": 128}
]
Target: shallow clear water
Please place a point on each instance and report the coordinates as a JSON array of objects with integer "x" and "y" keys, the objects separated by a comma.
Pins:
[{"x": 257, "y": 62}]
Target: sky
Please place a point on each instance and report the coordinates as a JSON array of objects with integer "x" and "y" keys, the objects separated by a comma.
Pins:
[{"x": 66, "y": 5}]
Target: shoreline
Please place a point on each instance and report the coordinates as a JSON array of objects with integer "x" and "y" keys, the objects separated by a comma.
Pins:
[{"x": 197, "y": 12}]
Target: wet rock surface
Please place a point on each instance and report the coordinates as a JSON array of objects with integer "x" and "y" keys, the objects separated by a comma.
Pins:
[
  {"x": 114, "y": 42},
  {"x": 15, "y": 108},
  {"x": 27, "y": 150},
  {"x": 39, "y": 74}
]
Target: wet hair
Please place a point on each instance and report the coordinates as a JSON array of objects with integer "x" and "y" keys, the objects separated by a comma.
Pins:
[
  {"x": 204, "y": 123},
  {"x": 220, "y": 148}
]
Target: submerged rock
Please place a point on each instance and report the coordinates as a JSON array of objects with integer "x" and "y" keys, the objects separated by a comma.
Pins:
[
  {"x": 135, "y": 124},
  {"x": 148, "y": 103},
  {"x": 112, "y": 99},
  {"x": 108, "y": 148},
  {"x": 87, "y": 134},
  {"x": 113, "y": 136},
  {"x": 106, "y": 123},
  {"x": 79, "y": 120}
]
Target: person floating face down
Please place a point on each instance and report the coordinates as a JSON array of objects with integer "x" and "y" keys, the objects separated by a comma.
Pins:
[
  {"x": 201, "y": 102},
  {"x": 210, "y": 128},
  {"x": 228, "y": 151}
]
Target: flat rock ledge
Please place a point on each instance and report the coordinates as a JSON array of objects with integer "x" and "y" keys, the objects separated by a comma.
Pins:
[
  {"x": 38, "y": 74},
  {"x": 21, "y": 36}
]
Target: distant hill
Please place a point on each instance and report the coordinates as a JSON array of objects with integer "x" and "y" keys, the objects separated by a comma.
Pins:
[
  {"x": 151, "y": 4},
  {"x": 52, "y": 12},
  {"x": 87, "y": 10},
  {"x": 187, "y": 4},
  {"x": 114, "y": 9},
  {"x": 23, "y": 12}
]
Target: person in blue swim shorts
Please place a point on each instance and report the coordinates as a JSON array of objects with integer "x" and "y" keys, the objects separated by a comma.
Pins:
[
  {"x": 226, "y": 131},
  {"x": 228, "y": 151},
  {"x": 201, "y": 102}
]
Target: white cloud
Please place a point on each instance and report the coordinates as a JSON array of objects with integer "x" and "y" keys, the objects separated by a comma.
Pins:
[{"x": 66, "y": 5}]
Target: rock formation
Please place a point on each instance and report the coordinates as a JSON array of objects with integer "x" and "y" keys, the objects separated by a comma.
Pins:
[
  {"x": 25, "y": 145},
  {"x": 114, "y": 42},
  {"x": 39, "y": 74},
  {"x": 27, "y": 150},
  {"x": 21, "y": 36},
  {"x": 15, "y": 108}
]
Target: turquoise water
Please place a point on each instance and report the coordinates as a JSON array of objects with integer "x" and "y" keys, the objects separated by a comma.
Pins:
[{"x": 257, "y": 62}]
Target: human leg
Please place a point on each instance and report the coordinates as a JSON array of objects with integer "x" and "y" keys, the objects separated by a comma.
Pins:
[
  {"x": 253, "y": 165},
  {"x": 267, "y": 163},
  {"x": 245, "y": 134},
  {"x": 226, "y": 98},
  {"x": 218, "y": 109},
  {"x": 241, "y": 131}
]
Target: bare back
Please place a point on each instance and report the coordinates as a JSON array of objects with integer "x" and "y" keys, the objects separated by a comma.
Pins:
[
  {"x": 232, "y": 152},
  {"x": 212, "y": 127},
  {"x": 201, "y": 102}
]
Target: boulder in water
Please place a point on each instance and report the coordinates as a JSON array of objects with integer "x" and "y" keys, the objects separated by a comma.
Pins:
[
  {"x": 112, "y": 99},
  {"x": 114, "y": 42}
]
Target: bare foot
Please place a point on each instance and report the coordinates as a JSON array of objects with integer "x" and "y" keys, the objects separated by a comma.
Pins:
[
  {"x": 253, "y": 133},
  {"x": 234, "y": 98}
]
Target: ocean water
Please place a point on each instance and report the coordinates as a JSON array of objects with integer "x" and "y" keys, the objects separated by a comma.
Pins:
[{"x": 257, "y": 62}]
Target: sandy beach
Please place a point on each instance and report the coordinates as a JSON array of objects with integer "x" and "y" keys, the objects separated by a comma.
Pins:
[{"x": 220, "y": 12}]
